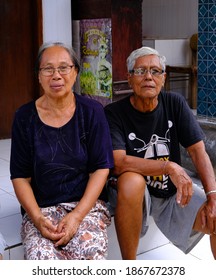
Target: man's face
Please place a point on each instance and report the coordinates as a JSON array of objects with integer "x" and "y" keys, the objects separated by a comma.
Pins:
[{"x": 148, "y": 78}]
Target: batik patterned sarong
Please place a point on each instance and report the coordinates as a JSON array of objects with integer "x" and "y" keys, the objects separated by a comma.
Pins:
[{"x": 89, "y": 243}]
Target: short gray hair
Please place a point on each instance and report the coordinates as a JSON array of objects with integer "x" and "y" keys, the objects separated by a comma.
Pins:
[
  {"x": 143, "y": 51},
  {"x": 68, "y": 48}
]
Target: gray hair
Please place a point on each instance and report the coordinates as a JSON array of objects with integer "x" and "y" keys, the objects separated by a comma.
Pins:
[
  {"x": 142, "y": 52},
  {"x": 68, "y": 48}
]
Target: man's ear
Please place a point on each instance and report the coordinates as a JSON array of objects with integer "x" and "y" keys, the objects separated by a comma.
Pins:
[{"x": 164, "y": 79}]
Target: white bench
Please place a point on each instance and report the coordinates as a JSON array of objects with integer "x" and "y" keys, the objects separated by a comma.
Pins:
[
  {"x": 14, "y": 251},
  {"x": 10, "y": 228}
]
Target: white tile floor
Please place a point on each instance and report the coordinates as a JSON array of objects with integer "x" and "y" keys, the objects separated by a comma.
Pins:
[
  {"x": 154, "y": 246},
  {"x": 10, "y": 217}
]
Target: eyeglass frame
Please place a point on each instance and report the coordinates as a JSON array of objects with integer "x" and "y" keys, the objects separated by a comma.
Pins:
[
  {"x": 69, "y": 67},
  {"x": 157, "y": 73}
]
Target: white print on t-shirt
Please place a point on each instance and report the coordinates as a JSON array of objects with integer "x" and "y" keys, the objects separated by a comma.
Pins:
[{"x": 157, "y": 148}]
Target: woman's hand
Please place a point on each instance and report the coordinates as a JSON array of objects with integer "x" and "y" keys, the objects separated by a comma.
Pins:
[
  {"x": 68, "y": 227},
  {"x": 70, "y": 223},
  {"x": 48, "y": 229},
  {"x": 25, "y": 195}
]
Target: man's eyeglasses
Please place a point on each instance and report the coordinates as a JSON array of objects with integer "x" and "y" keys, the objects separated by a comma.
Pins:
[
  {"x": 143, "y": 71},
  {"x": 49, "y": 71}
]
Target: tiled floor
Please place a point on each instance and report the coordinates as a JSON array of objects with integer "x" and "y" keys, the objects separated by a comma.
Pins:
[
  {"x": 10, "y": 217},
  {"x": 154, "y": 246}
]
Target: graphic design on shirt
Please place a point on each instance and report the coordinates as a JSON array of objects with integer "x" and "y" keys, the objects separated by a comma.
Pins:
[{"x": 157, "y": 148}]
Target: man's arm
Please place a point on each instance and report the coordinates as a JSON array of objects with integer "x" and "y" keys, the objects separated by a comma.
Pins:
[
  {"x": 205, "y": 170},
  {"x": 124, "y": 163},
  {"x": 177, "y": 174},
  {"x": 203, "y": 165}
]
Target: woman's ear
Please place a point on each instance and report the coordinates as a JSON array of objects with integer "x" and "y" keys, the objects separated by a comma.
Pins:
[
  {"x": 39, "y": 79},
  {"x": 129, "y": 79}
]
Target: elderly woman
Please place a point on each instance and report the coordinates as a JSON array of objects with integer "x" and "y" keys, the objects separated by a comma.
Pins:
[
  {"x": 60, "y": 158},
  {"x": 147, "y": 129}
]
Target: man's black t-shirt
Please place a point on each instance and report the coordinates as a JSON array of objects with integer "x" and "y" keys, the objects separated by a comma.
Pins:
[{"x": 154, "y": 135}]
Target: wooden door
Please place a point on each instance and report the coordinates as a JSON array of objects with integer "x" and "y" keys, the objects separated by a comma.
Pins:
[
  {"x": 126, "y": 33},
  {"x": 20, "y": 37}
]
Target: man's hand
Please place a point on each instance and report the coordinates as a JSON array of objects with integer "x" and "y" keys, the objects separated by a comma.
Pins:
[
  {"x": 182, "y": 182},
  {"x": 208, "y": 214}
]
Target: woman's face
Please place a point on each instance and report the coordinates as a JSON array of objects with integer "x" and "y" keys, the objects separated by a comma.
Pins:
[{"x": 57, "y": 85}]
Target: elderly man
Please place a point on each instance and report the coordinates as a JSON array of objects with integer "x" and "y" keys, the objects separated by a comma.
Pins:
[{"x": 147, "y": 129}]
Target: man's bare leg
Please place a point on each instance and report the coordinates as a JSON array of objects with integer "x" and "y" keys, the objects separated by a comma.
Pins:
[
  {"x": 213, "y": 244},
  {"x": 128, "y": 214},
  {"x": 198, "y": 227}
]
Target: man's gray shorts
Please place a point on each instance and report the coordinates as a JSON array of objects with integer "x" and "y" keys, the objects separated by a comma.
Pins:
[{"x": 174, "y": 221}]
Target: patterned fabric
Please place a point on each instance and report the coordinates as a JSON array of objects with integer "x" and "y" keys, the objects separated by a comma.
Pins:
[{"x": 89, "y": 243}]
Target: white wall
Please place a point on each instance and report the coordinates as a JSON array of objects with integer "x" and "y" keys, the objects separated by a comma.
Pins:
[
  {"x": 176, "y": 51},
  {"x": 168, "y": 23},
  {"x": 161, "y": 19},
  {"x": 57, "y": 21},
  {"x": 169, "y": 19}
]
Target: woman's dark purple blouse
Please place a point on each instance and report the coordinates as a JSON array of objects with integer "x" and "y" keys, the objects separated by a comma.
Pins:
[{"x": 59, "y": 160}]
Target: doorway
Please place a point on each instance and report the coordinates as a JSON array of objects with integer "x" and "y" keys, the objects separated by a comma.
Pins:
[{"x": 21, "y": 35}]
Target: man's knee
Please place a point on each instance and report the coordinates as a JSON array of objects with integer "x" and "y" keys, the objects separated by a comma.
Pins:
[
  {"x": 131, "y": 185},
  {"x": 198, "y": 223}
]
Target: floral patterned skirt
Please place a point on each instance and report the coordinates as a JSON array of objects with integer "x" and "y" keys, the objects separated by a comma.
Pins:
[{"x": 89, "y": 243}]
